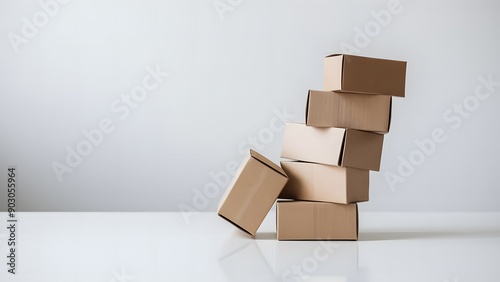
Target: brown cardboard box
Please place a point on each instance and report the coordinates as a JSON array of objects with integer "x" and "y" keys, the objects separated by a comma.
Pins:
[
  {"x": 355, "y": 74},
  {"x": 301, "y": 220},
  {"x": 356, "y": 111},
  {"x": 332, "y": 146},
  {"x": 252, "y": 192},
  {"x": 325, "y": 183}
]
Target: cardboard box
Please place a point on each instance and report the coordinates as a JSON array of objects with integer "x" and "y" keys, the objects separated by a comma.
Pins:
[
  {"x": 332, "y": 146},
  {"x": 355, "y": 74},
  {"x": 301, "y": 220},
  {"x": 325, "y": 183},
  {"x": 356, "y": 111},
  {"x": 252, "y": 192}
]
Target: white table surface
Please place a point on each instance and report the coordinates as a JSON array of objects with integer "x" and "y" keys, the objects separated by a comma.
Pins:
[{"x": 444, "y": 247}]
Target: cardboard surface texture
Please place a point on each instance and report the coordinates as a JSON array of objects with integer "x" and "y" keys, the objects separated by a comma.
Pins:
[
  {"x": 300, "y": 220},
  {"x": 325, "y": 183},
  {"x": 356, "y": 74},
  {"x": 252, "y": 192},
  {"x": 332, "y": 146},
  {"x": 356, "y": 111}
]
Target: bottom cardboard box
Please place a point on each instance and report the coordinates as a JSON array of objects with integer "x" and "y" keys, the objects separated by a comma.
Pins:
[{"x": 302, "y": 220}]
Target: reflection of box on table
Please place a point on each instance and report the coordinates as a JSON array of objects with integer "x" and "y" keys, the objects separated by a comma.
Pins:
[
  {"x": 327, "y": 258},
  {"x": 243, "y": 260}
]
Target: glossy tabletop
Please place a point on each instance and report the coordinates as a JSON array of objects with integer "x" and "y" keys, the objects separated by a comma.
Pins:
[{"x": 442, "y": 247}]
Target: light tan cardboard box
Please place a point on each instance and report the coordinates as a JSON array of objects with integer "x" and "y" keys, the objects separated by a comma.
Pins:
[
  {"x": 325, "y": 183},
  {"x": 301, "y": 220},
  {"x": 356, "y": 74},
  {"x": 356, "y": 111},
  {"x": 252, "y": 192},
  {"x": 332, "y": 146}
]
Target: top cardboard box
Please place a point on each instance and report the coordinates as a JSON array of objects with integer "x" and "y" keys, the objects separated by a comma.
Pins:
[
  {"x": 362, "y": 75},
  {"x": 252, "y": 192}
]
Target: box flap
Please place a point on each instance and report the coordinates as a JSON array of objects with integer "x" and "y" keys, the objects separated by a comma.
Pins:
[
  {"x": 347, "y": 56},
  {"x": 307, "y": 104},
  {"x": 267, "y": 162},
  {"x": 333, "y": 55}
]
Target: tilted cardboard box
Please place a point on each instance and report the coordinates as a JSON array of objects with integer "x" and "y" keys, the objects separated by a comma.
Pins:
[
  {"x": 356, "y": 111},
  {"x": 301, "y": 220},
  {"x": 252, "y": 192},
  {"x": 325, "y": 183},
  {"x": 355, "y": 74},
  {"x": 332, "y": 146}
]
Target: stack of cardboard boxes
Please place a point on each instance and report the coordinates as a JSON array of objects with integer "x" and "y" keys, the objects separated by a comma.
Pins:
[{"x": 329, "y": 157}]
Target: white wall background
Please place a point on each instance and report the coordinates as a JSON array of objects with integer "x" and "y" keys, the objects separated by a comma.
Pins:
[{"x": 228, "y": 78}]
